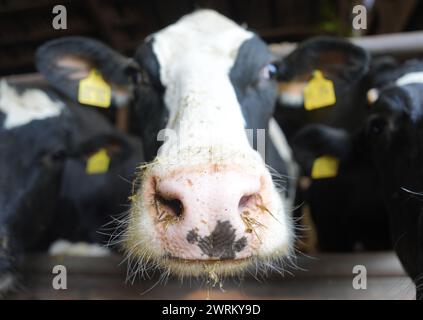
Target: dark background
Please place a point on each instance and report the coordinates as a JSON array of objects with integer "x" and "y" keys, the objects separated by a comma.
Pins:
[{"x": 25, "y": 24}]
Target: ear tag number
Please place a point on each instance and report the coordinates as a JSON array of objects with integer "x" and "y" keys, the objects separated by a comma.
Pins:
[
  {"x": 94, "y": 91},
  {"x": 319, "y": 92},
  {"x": 98, "y": 163},
  {"x": 325, "y": 167}
]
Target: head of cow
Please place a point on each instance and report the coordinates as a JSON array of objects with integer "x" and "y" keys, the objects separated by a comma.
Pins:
[
  {"x": 387, "y": 145},
  {"x": 393, "y": 134},
  {"x": 206, "y": 199},
  {"x": 33, "y": 139},
  {"x": 44, "y": 146}
]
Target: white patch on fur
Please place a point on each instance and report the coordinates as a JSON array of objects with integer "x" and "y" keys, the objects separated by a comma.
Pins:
[
  {"x": 278, "y": 138},
  {"x": 82, "y": 249},
  {"x": 410, "y": 78},
  {"x": 291, "y": 100},
  {"x": 31, "y": 104},
  {"x": 281, "y": 144},
  {"x": 196, "y": 55}
]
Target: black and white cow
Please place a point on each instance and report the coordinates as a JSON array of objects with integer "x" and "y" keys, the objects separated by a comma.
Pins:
[
  {"x": 33, "y": 138},
  {"x": 344, "y": 208},
  {"x": 393, "y": 135},
  {"x": 389, "y": 143},
  {"x": 339, "y": 61},
  {"x": 206, "y": 198},
  {"x": 46, "y": 193}
]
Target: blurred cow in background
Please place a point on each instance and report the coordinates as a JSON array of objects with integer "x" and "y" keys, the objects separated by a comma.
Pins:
[
  {"x": 393, "y": 136},
  {"x": 346, "y": 207},
  {"x": 46, "y": 192},
  {"x": 389, "y": 142}
]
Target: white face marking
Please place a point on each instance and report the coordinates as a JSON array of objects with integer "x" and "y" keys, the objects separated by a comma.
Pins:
[
  {"x": 196, "y": 55},
  {"x": 410, "y": 78},
  {"x": 295, "y": 101},
  {"x": 21, "y": 109}
]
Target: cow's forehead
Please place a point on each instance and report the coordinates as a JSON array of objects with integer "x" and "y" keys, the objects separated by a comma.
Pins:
[
  {"x": 22, "y": 108},
  {"x": 204, "y": 32}
]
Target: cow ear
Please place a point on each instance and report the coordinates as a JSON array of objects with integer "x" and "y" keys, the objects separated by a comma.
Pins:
[
  {"x": 317, "y": 140},
  {"x": 338, "y": 60},
  {"x": 64, "y": 62}
]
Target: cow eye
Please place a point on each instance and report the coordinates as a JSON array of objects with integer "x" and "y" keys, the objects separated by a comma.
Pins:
[
  {"x": 54, "y": 157},
  {"x": 268, "y": 72},
  {"x": 137, "y": 75},
  {"x": 136, "y": 78},
  {"x": 376, "y": 125},
  {"x": 58, "y": 155}
]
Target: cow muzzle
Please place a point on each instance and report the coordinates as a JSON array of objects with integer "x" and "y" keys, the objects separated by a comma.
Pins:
[{"x": 202, "y": 215}]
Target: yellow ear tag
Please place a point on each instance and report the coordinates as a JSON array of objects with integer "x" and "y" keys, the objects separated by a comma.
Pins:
[
  {"x": 98, "y": 162},
  {"x": 325, "y": 167},
  {"x": 94, "y": 91},
  {"x": 319, "y": 92}
]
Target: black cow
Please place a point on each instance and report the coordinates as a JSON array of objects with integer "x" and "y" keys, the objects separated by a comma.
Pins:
[
  {"x": 393, "y": 137},
  {"x": 45, "y": 191},
  {"x": 32, "y": 148},
  {"x": 347, "y": 209},
  {"x": 344, "y": 209},
  {"x": 389, "y": 144},
  {"x": 341, "y": 62}
]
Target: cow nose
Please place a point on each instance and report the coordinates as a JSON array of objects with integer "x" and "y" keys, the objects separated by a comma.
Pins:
[{"x": 209, "y": 213}]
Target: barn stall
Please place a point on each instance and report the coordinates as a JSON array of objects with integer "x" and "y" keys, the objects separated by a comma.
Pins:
[{"x": 317, "y": 273}]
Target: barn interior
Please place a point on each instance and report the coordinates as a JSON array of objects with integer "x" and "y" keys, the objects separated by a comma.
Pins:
[{"x": 394, "y": 28}]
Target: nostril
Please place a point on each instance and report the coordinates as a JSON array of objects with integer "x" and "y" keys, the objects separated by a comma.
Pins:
[
  {"x": 246, "y": 201},
  {"x": 173, "y": 206}
]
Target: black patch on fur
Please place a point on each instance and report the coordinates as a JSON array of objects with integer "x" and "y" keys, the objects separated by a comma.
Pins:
[
  {"x": 192, "y": 236},
  {"x": 149, "y": 114},
  {"x": 257, "y": 96},
  {"x": 220, "y": 243}
]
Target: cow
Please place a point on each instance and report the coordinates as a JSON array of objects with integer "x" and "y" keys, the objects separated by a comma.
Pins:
[
  {"x": 343, "y": 207},
  {"x": 388, "y": 142},
  {"x": 347, "y": 209},
  {"x": 206, "y": 201},
  {"x": 46, "y": 193},
  {"x": 392, "y": 134},
  {"x": 340, "y": 61},
  {"x": 33, "y": 138}
]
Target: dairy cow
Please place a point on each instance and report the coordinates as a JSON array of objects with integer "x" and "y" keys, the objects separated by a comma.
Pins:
[
  {"x": 206, "y": 199},
  {"x": 345, "y": 210},
  {"x": 388, "y": 144},
  {"x": 33, "y": 138},
  {"x": 348, "y": 209},
  {"x": 46, "y": 192},
  {"x": 392, "y": 134},
  {"x": 344, "y": 64}
]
